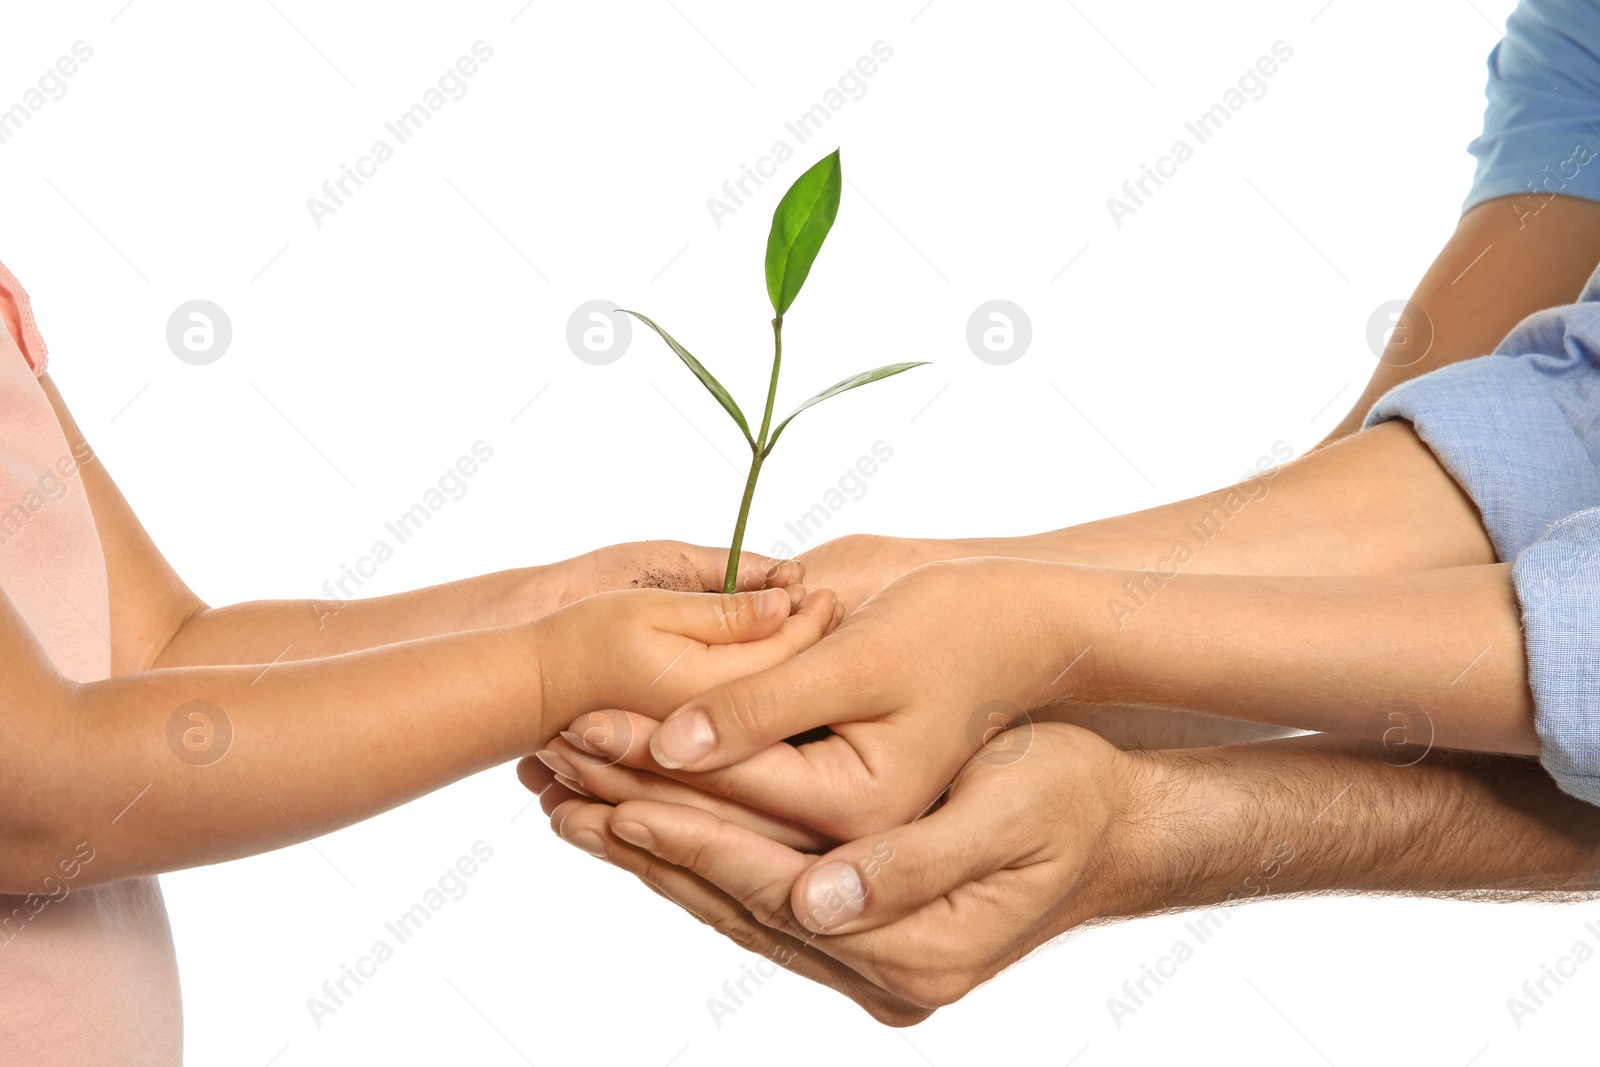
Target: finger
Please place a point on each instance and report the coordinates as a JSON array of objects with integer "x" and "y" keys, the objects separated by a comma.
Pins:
[
  {"x": 574, "y": 821},
  {"x": 534, "y": 775},
  {"x": 546, "y": 786},
  {"x": 726, "y": 916},
  {"x": 815, "y": 615},
  {"x": 607, "y": 780},
  {"x": 755, "y": 570},
  {"x": 754, "y": 870},
  {"x": 834, "y": 681},
  {"x": 822, "y": 784},
  {"x": 557, "y": 795},
  {"x": 720, "y": 619},
  {"x": 884, "y": 877}
]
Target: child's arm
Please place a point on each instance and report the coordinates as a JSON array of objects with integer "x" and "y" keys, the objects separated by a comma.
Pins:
[
  {"x": 157, "y": 621},
  {"x": 176, "y": 767}
]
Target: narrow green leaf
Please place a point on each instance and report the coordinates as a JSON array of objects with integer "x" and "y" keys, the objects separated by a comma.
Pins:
[
  {"x": 855, "y": 382},
  {"x": 707, "y": 379},
  {"x": 800, "y": 222}
]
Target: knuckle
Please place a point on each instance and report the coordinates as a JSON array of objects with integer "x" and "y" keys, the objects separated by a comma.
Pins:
[
  {"x": 741, "y": 929},
  {"x": 731, "y": 611},
  {"x": 769, "y": 906},
  {"x": 744, "y": 710}
]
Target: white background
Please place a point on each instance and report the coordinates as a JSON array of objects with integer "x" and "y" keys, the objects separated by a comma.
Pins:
[{"x": 1226, "y": 315}]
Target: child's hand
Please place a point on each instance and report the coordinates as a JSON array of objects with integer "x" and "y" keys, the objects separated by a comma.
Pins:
[
  {"x": 911, "y": 685},
  {"x": 637, "y": 565},
  {"x": 649, "y": 650}
]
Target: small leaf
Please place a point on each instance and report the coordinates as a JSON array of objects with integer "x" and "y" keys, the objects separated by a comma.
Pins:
[
  {"x": 855, "y": 382},
  {"x": 800, "y": 222},
  {"x": 707, "y": 379}
]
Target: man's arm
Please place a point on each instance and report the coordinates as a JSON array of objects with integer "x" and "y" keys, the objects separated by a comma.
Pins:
[
  {"x": 1052, "y": 829},
  {"x": 1202, "y": 822}
]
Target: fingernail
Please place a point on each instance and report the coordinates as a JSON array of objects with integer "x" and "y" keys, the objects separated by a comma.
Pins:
[
  {"x": 573, "y": 784},
  {"x": 556, "y": 763},
  {"x": 772, "y": 604},
  {"x": 589, "y": 841},
  {"x": 683, "y": 739},
  {"x": 577, "y": 742},
  {"x": 773, "y": 573},
  {"x": 635, "y": 834},
  {"x": 835, "y": 894}
]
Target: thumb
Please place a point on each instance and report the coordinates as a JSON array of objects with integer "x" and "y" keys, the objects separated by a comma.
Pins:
[
  {"x": 830, "y": 682},
  {"x": 719, "y": 619},
  {"x": 880, "y": 879}
]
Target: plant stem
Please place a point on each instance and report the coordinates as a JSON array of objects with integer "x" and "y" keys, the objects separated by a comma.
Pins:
[{"x": 730, "y": 582}]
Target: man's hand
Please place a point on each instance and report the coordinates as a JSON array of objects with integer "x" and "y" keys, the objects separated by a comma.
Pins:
[
  {"x": 925, "y": 912},
  {"x": 916, "y": 916}
]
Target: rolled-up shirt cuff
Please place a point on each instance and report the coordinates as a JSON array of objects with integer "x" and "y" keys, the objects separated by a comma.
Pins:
[
  {"x": 1558, "y": 586},
  {"x": 1515, "y": 432}
]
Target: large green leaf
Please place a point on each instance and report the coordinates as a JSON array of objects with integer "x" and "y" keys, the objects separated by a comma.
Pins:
[
  {"x": 799, "y": 224},
  {"x": 707, "y": 379},
  {"x": 855, "y": 382}
]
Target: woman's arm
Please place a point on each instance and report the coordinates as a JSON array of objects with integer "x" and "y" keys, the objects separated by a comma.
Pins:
[{"x": 910, "y": 691}]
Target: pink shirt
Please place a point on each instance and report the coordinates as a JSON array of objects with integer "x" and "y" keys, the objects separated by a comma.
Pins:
[{"x": 87, "y": 975}]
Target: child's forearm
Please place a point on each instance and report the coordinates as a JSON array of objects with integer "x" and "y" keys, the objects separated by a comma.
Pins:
[
  {"x": 1440, "y": 649},
  {"x": 186, "y": 766},
  {"x": 284, "y": 631}
]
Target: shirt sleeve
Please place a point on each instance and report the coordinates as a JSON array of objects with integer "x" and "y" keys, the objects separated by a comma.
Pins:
[
  {"x": 1541, "y": 129},
  {"x": 16, "y": 316},
  {"x": 1558, "y": 586}
]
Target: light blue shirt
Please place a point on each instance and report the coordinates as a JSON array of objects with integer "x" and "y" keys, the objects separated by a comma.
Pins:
[
  {"x": 1541, "y": 129},
  {"x": 1520, "y": 429}
]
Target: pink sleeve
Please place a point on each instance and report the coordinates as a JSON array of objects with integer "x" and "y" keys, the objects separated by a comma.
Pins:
[{"x": 18, "y": 313}]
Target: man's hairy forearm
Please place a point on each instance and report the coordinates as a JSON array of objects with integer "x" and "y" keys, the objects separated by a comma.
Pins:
[{"x": 1312, "y": 815}]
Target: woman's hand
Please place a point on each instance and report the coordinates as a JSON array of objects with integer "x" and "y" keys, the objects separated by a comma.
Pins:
[
  {"x": 911, "y": 685},
  {"x": 857, "y": 566},
  {"x": 1029, "y": 843}
]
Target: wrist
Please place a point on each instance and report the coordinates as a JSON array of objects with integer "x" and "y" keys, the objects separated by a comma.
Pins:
[
  {"x": 525, "y": 595},
  {"x": 1059, "y": 609},
  {"x": 531, "y": 657},
  {"x": 1182, "y": 833}
]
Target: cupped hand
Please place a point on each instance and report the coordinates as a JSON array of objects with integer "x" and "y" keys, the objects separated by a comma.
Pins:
[
  {"x": 651, "y": 649},
  {"x": 1033, "y": 839},
  {"x": 910, "y": 685},
  {"x": 638, "y": 565}
]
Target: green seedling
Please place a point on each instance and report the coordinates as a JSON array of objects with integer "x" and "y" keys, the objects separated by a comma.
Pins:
[{"x": 800, "y": 224}]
